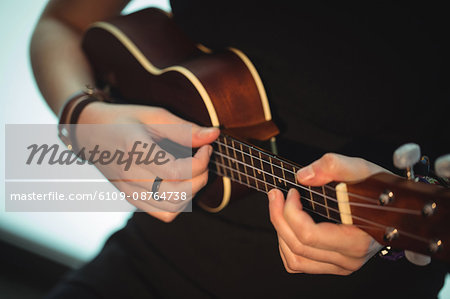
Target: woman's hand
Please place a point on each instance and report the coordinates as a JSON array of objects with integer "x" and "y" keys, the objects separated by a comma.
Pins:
[
  {"x": 321, "y": 248},
  {"x": 61, "y": 69},
  {"x": 120, "y": 126}
]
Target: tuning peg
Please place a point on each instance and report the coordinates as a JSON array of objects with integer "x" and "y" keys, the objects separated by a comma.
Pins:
[
  {"x": 406, "y": 156},
  {"x": 442, "y": 166}
]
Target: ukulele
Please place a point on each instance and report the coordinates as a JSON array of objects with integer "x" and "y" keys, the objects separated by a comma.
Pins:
[{"x": 146, "y": 59}]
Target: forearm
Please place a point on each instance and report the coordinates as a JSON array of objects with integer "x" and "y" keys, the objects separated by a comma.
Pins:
[{"x": 59, "y": 65}]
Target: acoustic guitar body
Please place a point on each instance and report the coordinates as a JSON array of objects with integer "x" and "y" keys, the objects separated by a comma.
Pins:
[{"x": 144, "y": 58}]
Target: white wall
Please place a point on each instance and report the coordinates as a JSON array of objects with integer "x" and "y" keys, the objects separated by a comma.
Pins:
[{"x": 70, "y": 238}]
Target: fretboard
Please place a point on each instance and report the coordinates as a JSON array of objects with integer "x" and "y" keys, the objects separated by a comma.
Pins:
[{"x": 259, "y": 169}]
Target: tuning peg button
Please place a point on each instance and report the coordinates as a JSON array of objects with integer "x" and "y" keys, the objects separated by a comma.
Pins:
[
  {"x": 406, "y": 156},
  {"x": 442, "y": 166}
]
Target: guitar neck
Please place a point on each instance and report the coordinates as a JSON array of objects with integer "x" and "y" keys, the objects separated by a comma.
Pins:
[{"x": 260, "y": 170}]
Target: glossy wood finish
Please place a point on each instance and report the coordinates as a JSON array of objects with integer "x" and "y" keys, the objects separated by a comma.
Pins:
[
  {"x": 404, "y": 213},
  {"x": 234, "y": 96},
  {"x": 225, "y": 77}
]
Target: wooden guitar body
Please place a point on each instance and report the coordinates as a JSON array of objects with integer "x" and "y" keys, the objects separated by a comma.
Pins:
[{"x": 146, "y": 59}]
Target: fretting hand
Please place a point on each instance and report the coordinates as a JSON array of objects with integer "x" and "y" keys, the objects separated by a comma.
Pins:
[{"x": 321, "y": 248}]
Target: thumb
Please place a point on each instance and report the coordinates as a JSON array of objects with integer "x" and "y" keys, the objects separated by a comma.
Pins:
[
  {"x": 188, "y": 134},
  {"x": 203, "y": 135},
  {"x": 335, "y": 167},
  {"x": 183, "y": 132}
]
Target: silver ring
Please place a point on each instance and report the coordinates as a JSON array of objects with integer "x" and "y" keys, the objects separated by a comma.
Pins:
[{"x": 156, "y": 184}]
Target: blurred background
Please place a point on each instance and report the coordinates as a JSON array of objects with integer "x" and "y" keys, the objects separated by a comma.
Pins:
[{"x": 37, "y": 248}]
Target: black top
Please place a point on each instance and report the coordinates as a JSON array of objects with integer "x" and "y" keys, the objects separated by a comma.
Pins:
[
  {"x": 355, "y": 80},
  {"x": 340, "y": 77}
]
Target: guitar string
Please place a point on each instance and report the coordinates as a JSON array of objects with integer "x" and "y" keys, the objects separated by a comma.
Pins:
[
  {"x": 336, "y": 220},
  {"x": 308, "y": 189},
  {"x": 414, "y": 212},
  {"x": 254, "y": 187},
  {"x": 288, "y": 170},
  {"x": 285, "y": 169},
  {"x": 392, "y": 209},
  {"x": 305, "y": 198}
]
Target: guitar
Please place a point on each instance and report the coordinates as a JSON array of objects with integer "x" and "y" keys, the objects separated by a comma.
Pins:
[{"x": 146, "y": 59}]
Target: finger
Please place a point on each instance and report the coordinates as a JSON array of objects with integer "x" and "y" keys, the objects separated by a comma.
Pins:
[
  {"x": 300, "y": 264},
  {"x": 200, "y": 160},
  {"x": 283, "y": 258},
  {"x": 346, "y": 239},
  {"x": 183, "y": 168},
  {"x": 183, "y": 132},
  {"x": 285, "y": 231},
  {"x": 171, "y": 168},
  {"x": 141, "y": 153},
  {"x": 164, "y": 216},
  {"x": 179, "y": 168},
  {"x": 335, "y": 167}
]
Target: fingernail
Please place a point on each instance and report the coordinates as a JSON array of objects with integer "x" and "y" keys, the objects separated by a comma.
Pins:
[
  {"x": 305, "y": 173},
  {"x": 205, "y": 132},
  {"x": 210, "y": 150},
  {"x": 290, "y": 192},
  {"x": 271, "y": 195}
]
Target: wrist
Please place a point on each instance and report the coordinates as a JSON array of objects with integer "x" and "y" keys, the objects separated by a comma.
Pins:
[
  {"x": 92, "y": 113},
  {"x": 71, "y": 112}
]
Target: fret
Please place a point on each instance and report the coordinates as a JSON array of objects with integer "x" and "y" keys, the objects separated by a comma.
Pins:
[
  {"x": 253, "y": 164},
  {"x": 304, "y": 197},
  {"x": 236, "y": 163},
  {"x": 326, "y": 202},
  {"x": 295, "y": 174},
  {"x": 249, "y": 166},
  {"x": 333, "y": 208},
  {"x": 244, "y": 183},
  {"x": 319, "y": 200},
  {"x": 273, "y": 173},
  {"x": 217, "y": 157},
  {"x": 277, "y": 172},
  {"x": 284, "y": 176},
  {"x": 244, "y": 165},
  {"x": 290, "y": 178},
  {"x": 311, "y": 197},
  {"x": 271, "y": 169},
  {"x": 218, "y": 168},
  {"x": 291, "y": 183},
  {"x": 263, "y": 172},
  {"x": 228, "y": 155}
]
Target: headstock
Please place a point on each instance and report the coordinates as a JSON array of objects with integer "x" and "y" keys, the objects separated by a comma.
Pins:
[{"x": 405, "y": 213}]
